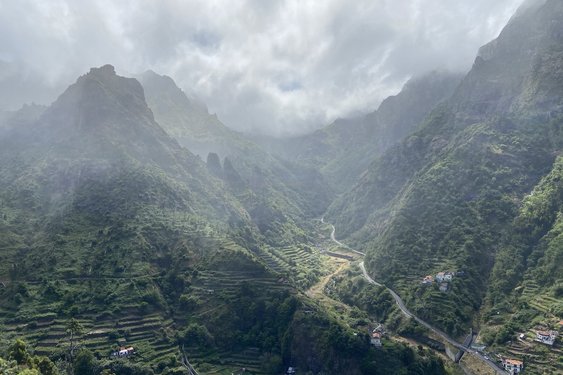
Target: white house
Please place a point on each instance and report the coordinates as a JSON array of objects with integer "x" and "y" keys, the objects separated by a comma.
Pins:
[
  {"x": 513, "y": 366},
  {"x": 448, "y": 276},
  {"x": 546, "y": 337},
  {"x": 124, "y": 352}
]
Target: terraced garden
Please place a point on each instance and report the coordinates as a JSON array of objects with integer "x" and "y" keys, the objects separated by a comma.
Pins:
[
  {"x": 215, "y": 362},
  {"x": 150, "y": 335},
  {"x": 300, "y": 264}
]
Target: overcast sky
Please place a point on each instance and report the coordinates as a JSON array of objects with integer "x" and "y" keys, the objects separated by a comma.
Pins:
[{"x": 280, "y": 66}]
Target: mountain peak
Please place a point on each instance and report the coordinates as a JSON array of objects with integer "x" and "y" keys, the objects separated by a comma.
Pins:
[
  {"x": 101, "y": 104},
  {"x": 103, "y": 71},
  {"x": 103, "y": 91}
]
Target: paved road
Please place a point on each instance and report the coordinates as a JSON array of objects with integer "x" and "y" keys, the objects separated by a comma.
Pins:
[
  {"x": 186, "y": 363},
  {"x": 408, "y": 313},
  {"x": 340, "y": 243}
]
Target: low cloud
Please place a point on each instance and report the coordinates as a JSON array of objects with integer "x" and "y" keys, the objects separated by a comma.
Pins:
[{"x": 277, "y": 67}]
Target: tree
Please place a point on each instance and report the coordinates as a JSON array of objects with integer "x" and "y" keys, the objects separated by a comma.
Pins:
[
  {"x": 46, "y": 366},
  {"x": 8, "y": 367},
  {"x": 85, "y": 363},
  {"x": 73, "y": 329},
  {"x": 18, "y": 352},
  {"x": 29, "y": 371}
]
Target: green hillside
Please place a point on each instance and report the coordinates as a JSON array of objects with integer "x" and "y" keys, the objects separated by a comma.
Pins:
[
  {"x": 107, "y": 219},
  {"x": 132, "y": 217},
  {"x": 113, "y": 235},
  {"x": 279, "y": 195},
  {"x": 448, "y": 197}
]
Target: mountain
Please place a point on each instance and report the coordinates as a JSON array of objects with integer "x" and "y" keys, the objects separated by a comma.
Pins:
[
  {"x": 343, "y": 150},
  {"x": 113, "y": 231},
  {"x": 279, "y": 195},
  {"x": 96, "y": 129},
  {"x": 106, "y": 218},
  {"x": 187, "y": 120},
  {"x": 450, "y": 196}
]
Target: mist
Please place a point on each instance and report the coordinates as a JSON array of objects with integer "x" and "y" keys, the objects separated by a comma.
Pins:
[{"x": 276, "y": 67}]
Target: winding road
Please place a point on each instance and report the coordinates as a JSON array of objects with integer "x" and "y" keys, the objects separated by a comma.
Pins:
[{"x": 408, "y": 313}]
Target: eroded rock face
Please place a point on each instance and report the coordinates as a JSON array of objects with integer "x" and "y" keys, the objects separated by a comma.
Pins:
[{"x": 516, "y": 71}]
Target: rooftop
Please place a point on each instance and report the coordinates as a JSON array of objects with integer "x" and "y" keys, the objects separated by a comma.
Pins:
[{"x": 514, "y": 362}]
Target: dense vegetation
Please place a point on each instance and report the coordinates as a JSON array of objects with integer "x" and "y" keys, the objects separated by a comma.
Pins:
[
  {"x": 107, "y": 223},
  {"x": 447, "y": 198},
  {"x": 113, "y": 233},
  {"x": 129, "y": 233}
]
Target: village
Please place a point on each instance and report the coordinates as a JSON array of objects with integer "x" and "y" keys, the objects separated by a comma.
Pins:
[{"x": 539, "y": 334}]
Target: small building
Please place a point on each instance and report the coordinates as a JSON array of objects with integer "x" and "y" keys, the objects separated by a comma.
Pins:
[
  {"x": 428, "y": 279},
  {"x": 546, "y": 337},
  {"x": 376, "y": 339},
  {"x": 124, "y": 352},
  {"x": 440, "y": 276},
  {"x": 443, "y": 287},
  {"x": 291, "y": 371},
  {"x": 448, "y": 276},
  {"x": 513, "y": 366}
]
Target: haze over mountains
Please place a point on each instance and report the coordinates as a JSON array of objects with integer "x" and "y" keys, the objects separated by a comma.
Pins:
[
  {"x": 130, "y": 210},
  {"x": 284, "y": 68}
]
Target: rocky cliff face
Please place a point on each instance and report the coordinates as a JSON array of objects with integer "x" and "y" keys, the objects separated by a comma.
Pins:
[{"x": 517, "y": 72}]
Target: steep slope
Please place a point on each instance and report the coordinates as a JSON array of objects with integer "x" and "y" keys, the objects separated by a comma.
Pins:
[
  {"x": 186, "y": 120},
  {"x": 278, "y": 195},
  {"x": 107, "y": 219},
  {"x": 442, "y": 198},
  {"x": 104, "y": 217},
  {"x": 526, "y": 286},
  {"x": 343, "y": 150},
  {"x": 99, "y": 127}
]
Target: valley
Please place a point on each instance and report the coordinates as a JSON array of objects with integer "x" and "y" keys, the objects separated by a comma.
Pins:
[{"x": 140, "y": 235}]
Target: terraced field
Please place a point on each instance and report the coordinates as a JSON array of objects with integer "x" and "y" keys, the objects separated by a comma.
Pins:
[
  {"x": 228, "y": 283},
  {"x": 301, "y": 265},
  {"x": 150, "y": 335},
  {"x": 248, "y": 362},
  {"x": 540, "y": 358}
]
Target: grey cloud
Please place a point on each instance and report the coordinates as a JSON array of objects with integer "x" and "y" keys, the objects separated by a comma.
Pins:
[{"x": 281, "y": 66}]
